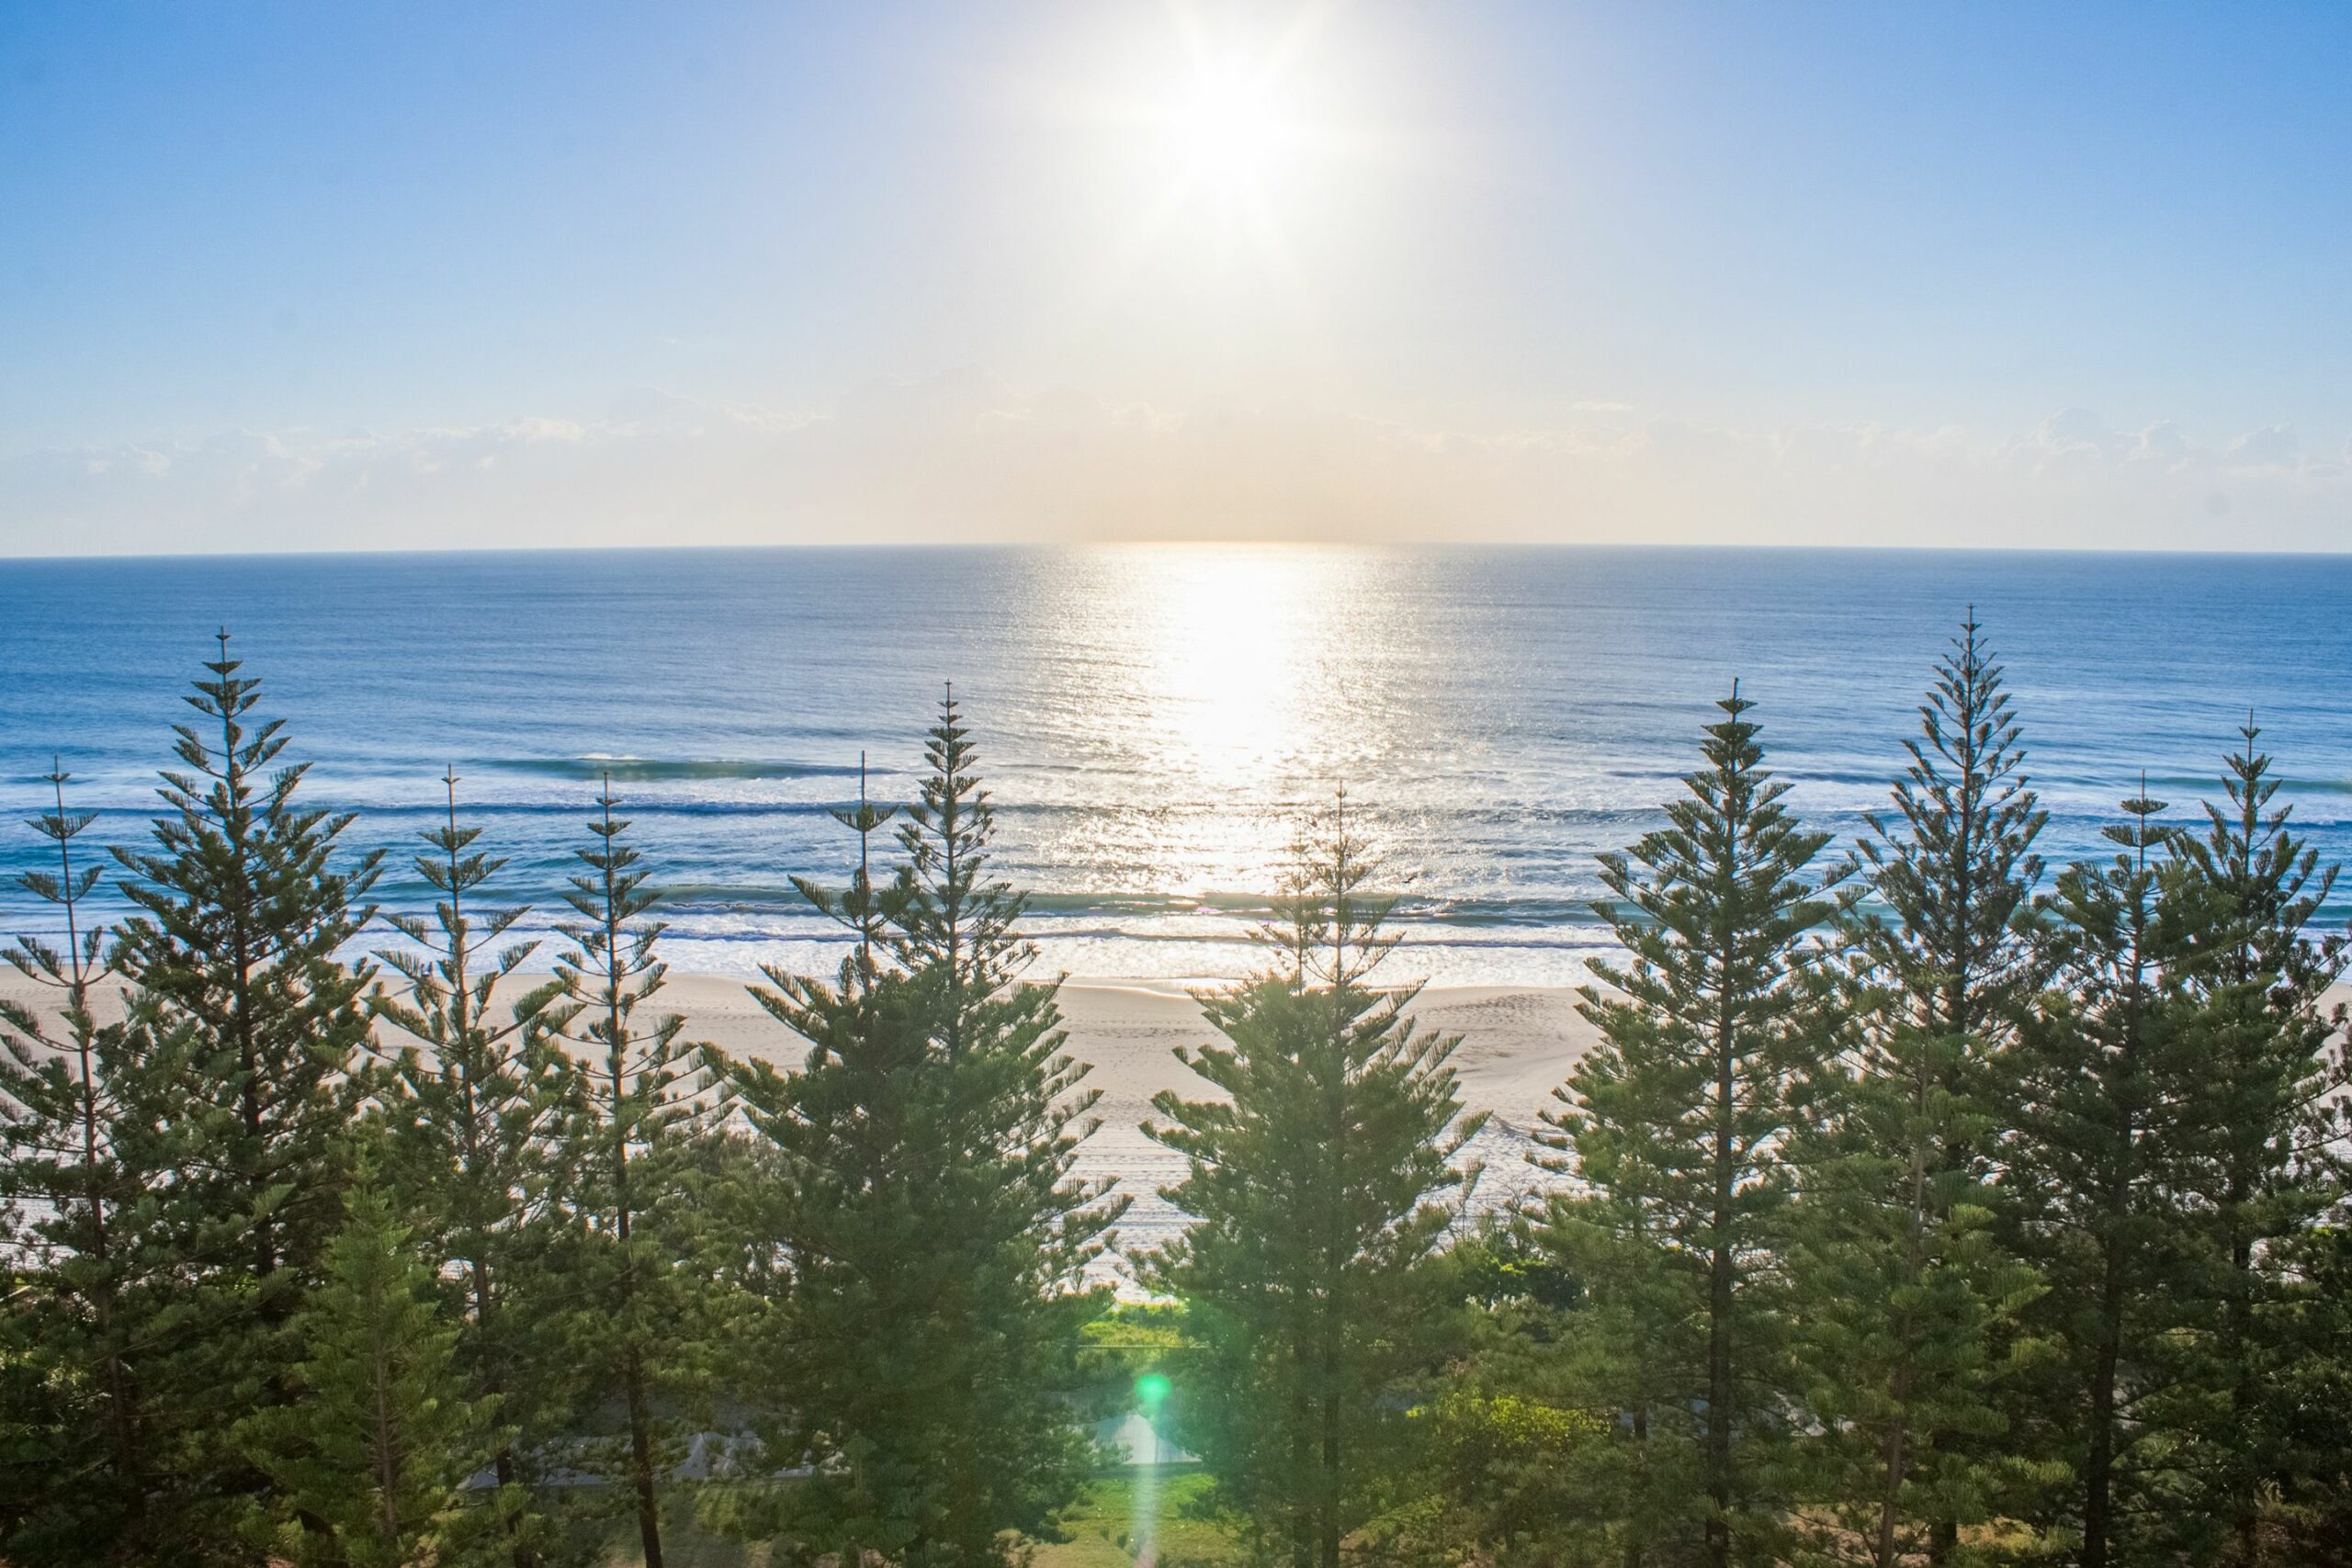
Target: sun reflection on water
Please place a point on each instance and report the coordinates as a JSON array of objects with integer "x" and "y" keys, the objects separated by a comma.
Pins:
[
  {"x": 1228, "y": 633},
  {"x": 1237, "y": 690}
]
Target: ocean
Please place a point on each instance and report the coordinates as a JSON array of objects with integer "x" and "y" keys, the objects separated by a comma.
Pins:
[{"x": 1156, "y": 722}]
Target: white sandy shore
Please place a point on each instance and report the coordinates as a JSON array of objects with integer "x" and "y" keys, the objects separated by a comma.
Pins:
[{"x": 1517, "y": 1043}]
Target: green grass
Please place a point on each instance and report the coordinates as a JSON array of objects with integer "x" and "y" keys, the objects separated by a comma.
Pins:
[
  {"x": 1102, "y": 1529},
  {"x": 1102, "y": 1525},
  {"x": 684, "y": 1545}
]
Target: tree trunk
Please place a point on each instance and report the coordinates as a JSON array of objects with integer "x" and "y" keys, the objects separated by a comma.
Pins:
[
  {"x": 640, "y": 1446},
  {"x": 1891, "y": 1493},
  {"x": 2098, "y": 1468},
  {"x": 1328, "y": 1546},
  {"x": 1719, "y": 1301},
  {"x": 2243, "y": 1397},
  {"x": 1641, "y": 1468}
]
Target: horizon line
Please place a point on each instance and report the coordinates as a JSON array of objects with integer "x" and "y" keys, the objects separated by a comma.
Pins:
[{"x": 980, "y": 545}]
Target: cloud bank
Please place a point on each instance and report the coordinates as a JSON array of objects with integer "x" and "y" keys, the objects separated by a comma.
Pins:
[{"x": 967, "y": 457}]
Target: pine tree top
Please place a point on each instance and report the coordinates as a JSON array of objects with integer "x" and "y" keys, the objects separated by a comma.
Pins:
[
  {"x": 235, "y": 858},
  {"x": 2271, "y": 879},
  {"x": 72, "y": 968},
  {"x": 451, "y": 979},
  {"x": 650, "y": 1082},
  {"x": 1723, "y": 885}
]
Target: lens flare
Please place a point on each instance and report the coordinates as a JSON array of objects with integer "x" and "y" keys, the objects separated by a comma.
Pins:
[{"x": 1152, "y": 1391}]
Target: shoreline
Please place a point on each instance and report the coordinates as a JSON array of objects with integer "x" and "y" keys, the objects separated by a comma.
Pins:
[
  {"x": 1517, "y": 1042},
  {"x": 1518, "y": 1045}
]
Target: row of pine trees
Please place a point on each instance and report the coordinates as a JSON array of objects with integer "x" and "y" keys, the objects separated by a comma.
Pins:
[{"x": 1919, "y": 1205}]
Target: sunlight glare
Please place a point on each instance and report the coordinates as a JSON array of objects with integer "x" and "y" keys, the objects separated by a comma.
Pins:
[
  {"x": 1227, "y": 133},
  {"x": 1238, "y": 649}
]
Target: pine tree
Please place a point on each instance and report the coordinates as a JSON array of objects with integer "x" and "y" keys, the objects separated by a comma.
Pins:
[
  {"x": 935, "y": 1239},
  {"x": 1319, "y": 1192},
  {"x": 2268, "y": 1095},
  {"x": 75, "y": 1160},
  {"x": 2103, "y": 1081},
  {"x": 242, "y": 906},
  {"x": 955, "y": 928},
  {"x": 2313, "y": 1331},
  {"x": 646, "y": 1098},
  {"x": 1905, "y": 1290},
  {"x": 474, "y": 1116},
  {"x": 1020, "y": 1227},
  {"x": 371, "y": 1461},
  {"x": 845, "y": 1355},
  {"x": 1626, "y": 1345},
  {"x": 243, "y": 912},
  {"x": 1676, "y": 1122}
]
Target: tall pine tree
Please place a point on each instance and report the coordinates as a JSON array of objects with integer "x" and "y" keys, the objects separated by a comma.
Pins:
[
  {"x": 2271, "y": 1095},
  {"x": 645, "y": 1100},
  {"x": 242, "y": 909},
  {"x": 1677, "y": 1122},
  {"x": 1015, "y": 1116},
  {"x": 242, "y": 905},
  {"x": 2102, "y": 1082},
  {"x": 1319, "y": 1189},
  {"x": 848, "y": 1361},
  {"x": 371, "y": 1462},
  {"x": 473, "y": 1110},
  {"x": 1905, "y": 1290},
  {"x": 927, "y": 1145},
  {"x": 87, "y": 1474}
]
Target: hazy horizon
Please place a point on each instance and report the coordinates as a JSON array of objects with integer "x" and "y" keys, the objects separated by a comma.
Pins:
[{"x": 364, "y": 551}]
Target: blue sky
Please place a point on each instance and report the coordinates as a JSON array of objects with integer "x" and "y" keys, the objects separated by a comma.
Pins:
[{"x": 301, "y": 276}]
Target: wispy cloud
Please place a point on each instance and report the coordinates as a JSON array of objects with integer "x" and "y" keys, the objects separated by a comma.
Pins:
[{"x": 968, "y": 456}]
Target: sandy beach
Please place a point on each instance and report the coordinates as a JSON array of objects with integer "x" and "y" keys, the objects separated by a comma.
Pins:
[{"x": 1517, "y": 1043}]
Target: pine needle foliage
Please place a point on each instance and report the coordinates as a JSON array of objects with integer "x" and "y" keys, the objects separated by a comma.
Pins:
[
  {"x": 1319, "y": 1192},
  {"x": 2270, "y": 1166},
  {"x": 932, "y": 1241},
  {"x": 1908, "y": 1297},
  {"x": 2307, "y": 1517},
  {"x": 76, "y": 1162},
  {"x": 2103, "y": 1084},
  {"x": 242, "y": 909},
  {"x": 243, "y": 904},
  {"x": 473, "y": 1110},
  {"x": 1676, "y": 1125},
  {"x": 1020, "y": 1227},
  {"x": 844, "y": 1352},
  {"x": 645, "y": 1100},
  {"x": 954, "y": 926},
  {"x": 371, "y": 1461}
]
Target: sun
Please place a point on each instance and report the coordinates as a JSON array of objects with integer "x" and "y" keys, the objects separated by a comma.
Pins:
[
  {"x": 1228, "y": 139},
  {"x": 1227, "y": 131}
]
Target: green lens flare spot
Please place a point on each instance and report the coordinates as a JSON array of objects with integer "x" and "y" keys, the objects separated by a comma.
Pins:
[{"x": 1152, "y": 1388}]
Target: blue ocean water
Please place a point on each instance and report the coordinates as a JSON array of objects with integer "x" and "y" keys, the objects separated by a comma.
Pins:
[{"x": 1155, "y": 721}]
